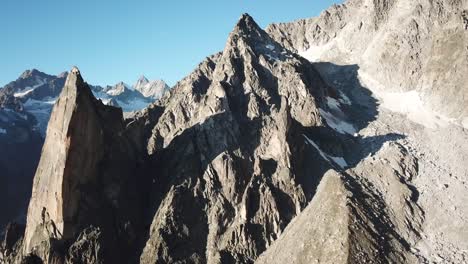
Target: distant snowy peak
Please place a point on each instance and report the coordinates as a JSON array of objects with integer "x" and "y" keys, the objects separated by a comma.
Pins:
[
  {"x": 34, "y": 74},
  {"x": 118, "y": 89},
  {"x": 142, "y": 81},
  {"x": 34, "y": 84},
  {"x": 152, "y": 89},
  {"x": 34, "y": 93}
]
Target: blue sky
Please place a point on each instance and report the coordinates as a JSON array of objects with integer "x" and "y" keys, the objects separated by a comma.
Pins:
[{"x": 117, "y": 40}]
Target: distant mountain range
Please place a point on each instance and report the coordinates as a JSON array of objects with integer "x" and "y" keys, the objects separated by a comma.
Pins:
[{"x": 33, "y": 94}]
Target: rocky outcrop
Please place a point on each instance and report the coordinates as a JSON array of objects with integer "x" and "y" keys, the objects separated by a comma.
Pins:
[
  {"x": 368, "y": 214},
  {"x": 83, "y": 178},
  {"x": 398, "y": 45}
]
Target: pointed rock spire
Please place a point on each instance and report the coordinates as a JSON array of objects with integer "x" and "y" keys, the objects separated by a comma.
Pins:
[
  {"x": 74, "y": 147},
  {"x": 246, "y": 26},
  {"x": 246, "y": 22},
  {"x": 51, "y": 204}
]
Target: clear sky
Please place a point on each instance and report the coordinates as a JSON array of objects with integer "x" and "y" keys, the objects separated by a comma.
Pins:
[{"x": 119, "y": 40}]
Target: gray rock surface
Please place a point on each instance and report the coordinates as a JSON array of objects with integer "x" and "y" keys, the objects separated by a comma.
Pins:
[
  {"x": 246, "y": 170},
  {"x": 400, "y": 45}
]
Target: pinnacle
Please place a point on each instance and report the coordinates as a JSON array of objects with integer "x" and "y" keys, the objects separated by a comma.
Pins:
[
  {"x": 74, "y": 79},
  {"x": 246, "y": 24},
  {"x": 75, "y": 70}
]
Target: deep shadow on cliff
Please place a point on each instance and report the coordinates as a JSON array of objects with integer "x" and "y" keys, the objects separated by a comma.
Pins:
[{"x": 361, "y": 112}]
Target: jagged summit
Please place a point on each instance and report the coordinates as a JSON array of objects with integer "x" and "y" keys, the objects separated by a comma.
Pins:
[
  {"x": 33, "y": 73},
  {"x": 75, "y": 70},
  {"x": 246, "y": 27},
  {"x": 142, "y": 80},
  {"x": 248, "y": 36},
  {"x": 152, "y": 89},
  {"x": 246, "y": 23},
  {"x": 75, "y": 83}
]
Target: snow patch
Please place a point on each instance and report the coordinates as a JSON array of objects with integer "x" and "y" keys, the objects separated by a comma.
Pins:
[
  {"x": 2, "y": 131},
  {"x": 28, "y": 90},
  {"x": 340, "y": 161},
  {"x": 24, "y": 93},
  {"x": 337, "y": 124},
  {"x": 106, "y": 101},
  {"x": 314, "y": 53},
  {"x": 333, "y": 119},
  {"x": 41, "y": 111},
  {"x": 270, "y": 47},
  {"x": 408, "y": 103}
]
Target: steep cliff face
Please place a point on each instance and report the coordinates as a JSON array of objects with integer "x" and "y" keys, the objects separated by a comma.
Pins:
[
  {"x": 82, "y": 177},
  {"x": 230, "y": 165},
  {"x": 399, "y": 45}
]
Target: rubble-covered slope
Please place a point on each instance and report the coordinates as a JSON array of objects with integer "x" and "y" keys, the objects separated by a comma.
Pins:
[{"x": 399, "y": 46}]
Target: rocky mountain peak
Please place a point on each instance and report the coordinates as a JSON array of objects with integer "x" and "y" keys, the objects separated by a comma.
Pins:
[
  {"x": 74, "y": 79},
  {"x": 118, "y": 89},
  {"x": 141, "y": 81},
  {"x": 75, "y": 70},
  {"x": 238, "y": 122},
  {"x": 246, "y": 28},
  {"x": 246, "y": 23},
  {"x": 28, "y": 73},
  {"x": 151, "y": 89},
  {"x": 34, "y": 74}
]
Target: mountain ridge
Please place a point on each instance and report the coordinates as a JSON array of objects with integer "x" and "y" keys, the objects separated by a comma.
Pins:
[{"x": 260, "y": 155}]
